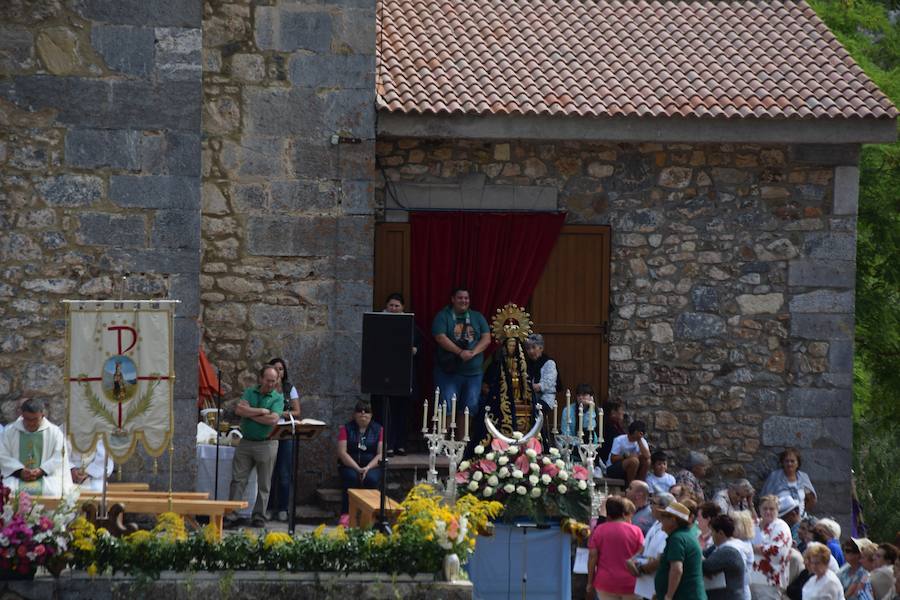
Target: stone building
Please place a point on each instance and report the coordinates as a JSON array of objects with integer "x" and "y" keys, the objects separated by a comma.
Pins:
[{"x": 240, "y": 155}]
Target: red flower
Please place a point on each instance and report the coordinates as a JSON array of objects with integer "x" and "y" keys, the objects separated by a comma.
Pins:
[
  {"x": 22, "y": 550},
  {"x": 522, "y": 463},
  {"x": 486, "y": 466},
  {"x": 551, "y": 470},
  {"x": 534, "y": 444},
  {"x": 462, "y": 476},
  {"x": 499, "y": 445},
  {"x": 579, "y": 472}
]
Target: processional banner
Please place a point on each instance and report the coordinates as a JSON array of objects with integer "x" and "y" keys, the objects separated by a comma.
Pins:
[{"x": 120, "y": 368}]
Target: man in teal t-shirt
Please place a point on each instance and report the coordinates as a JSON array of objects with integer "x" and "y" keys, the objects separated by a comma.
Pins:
[
  {"x": 461, "y": 336},
  {"x": 680, "y": 572},
  {"x": 260, "y": 408}
]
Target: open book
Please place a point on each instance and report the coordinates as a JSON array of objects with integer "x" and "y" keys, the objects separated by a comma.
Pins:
[{"x": 284, "y": 421}]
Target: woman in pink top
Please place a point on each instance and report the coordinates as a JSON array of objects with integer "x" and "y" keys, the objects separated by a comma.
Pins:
[{"x": 611, "y": 544}]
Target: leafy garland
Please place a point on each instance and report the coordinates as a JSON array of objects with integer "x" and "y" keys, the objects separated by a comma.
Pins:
[{"x": 99, "y": 410}]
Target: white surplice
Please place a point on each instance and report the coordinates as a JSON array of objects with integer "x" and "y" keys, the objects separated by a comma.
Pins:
[
  {"x": 58, "y": 479},
  {"x": 93, "y": 467}
]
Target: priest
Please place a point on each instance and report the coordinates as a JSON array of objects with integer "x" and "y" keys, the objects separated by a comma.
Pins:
[{"x": 32, "y": 454}]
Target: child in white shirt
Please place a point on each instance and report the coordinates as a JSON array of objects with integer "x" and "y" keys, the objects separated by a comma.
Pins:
[{"x": 659, "y": 479}]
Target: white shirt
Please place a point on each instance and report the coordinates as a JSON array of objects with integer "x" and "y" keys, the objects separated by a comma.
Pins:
[
  {"x": 826, "y": 587},
  {"x": 659, "y": 485},
  {"x": 654, "y": 544},
  {"x": 622, "y": 445}
]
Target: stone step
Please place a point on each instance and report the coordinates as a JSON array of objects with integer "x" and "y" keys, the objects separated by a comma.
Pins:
[{"x": 310, "y": 514}]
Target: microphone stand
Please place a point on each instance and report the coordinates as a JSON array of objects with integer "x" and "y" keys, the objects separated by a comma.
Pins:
[
  {"x": 382, "y": 524},
  {"x": 295, "y": 451},
  {"x": 218, "y": 427}
]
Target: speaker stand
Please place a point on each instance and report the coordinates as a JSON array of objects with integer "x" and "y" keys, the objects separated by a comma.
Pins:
[{"x": 382, "y": 524}]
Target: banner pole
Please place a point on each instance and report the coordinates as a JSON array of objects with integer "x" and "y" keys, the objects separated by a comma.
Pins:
[
  {"x": 103, "y": 513},
  {"x": 171, "y": 454}
]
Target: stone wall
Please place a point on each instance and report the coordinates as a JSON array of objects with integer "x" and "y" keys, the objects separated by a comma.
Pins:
[
  {"x": 732, "y": 285},
  {"x": 287, "y": 214},
  {"x": 99, "y": 176}
]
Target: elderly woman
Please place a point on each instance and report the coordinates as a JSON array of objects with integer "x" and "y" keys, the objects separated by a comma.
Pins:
[
  {"x": 743, "y": 541},
  {"x": 360, "y": 447},
  {"x": 680, "y": 573},
  {"x": 725, "y": 558},
  {"x": 828, "y": 532},
  {"x": 772, "y": 548},
  {"x": 689, "y": 479},
  {"x": 790, "y": 480},
  {"x": 805, "y": 532},
  {"x": 705, "y": 515},
  {"x": 542, "y": 372},
  {"x": 882, "y": 569},
  {"x": 823, "y": 584},
  {"x": 853, "y": 576},
  {"x": 737, "y": 496}
]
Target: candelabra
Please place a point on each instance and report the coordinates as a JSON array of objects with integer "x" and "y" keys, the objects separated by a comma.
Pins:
[
  {"x": 588, "y": 453},
  {"x": 566, "y": 444},
  {"x": 453, "y": 449}
]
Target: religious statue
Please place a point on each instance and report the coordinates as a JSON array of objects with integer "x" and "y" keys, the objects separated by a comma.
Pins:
[{"x": 510, "y": 395}]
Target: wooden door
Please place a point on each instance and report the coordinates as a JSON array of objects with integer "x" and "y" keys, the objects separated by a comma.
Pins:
[
  {"x": 570, "y": 307},
  {"x": 392, "y": 244}
]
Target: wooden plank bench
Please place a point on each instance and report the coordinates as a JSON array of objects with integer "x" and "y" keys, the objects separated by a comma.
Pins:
[
  {"x": 147, "y": 494},
  {"x": 154, "y": 505},
  {"x": 127, "y": 487},
  {"x": 365, "y": 506}
]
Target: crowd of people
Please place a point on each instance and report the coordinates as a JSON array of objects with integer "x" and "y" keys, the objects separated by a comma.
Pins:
[{"x": 664, "y": 539}]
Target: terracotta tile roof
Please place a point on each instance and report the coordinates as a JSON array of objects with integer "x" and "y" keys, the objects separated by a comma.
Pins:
[{"x": 697, "y": 58}]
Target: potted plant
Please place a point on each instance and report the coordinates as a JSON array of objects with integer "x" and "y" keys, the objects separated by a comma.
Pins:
[{"x": 30, "y": 536}]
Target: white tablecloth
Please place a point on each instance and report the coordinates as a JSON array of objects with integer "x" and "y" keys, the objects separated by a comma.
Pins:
[{"x": 206, "y": 473}]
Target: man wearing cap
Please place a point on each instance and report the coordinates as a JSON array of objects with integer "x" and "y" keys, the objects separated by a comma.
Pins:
[
  {"x": 789, "y": 512},
  {"x": 680, "y": 573},
  {"x": 689, "y": 479},
  {"x": 644, "y": 565},
  {"x": 737, "y": 496}
]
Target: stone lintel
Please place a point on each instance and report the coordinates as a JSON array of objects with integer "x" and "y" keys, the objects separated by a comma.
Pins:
[{"x": 641, "y": 129}]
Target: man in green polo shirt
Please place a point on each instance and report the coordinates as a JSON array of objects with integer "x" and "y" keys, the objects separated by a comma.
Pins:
[{"x": 260, "y": 408}]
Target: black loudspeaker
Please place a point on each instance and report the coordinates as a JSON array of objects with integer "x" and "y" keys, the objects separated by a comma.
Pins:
[{"x": 387, "y": 359}]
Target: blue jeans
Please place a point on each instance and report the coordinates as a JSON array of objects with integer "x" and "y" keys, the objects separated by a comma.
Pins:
[
  {"x": 281, "y": 476},
  {"x": 466, "y": 387},
  {"x": 350, "y": 480}
]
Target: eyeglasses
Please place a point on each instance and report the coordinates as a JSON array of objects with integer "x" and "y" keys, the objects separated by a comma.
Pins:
[{"x": 363, "y": 411}]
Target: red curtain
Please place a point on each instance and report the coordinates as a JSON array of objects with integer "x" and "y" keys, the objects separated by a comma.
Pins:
[{"x": 499, "y": 256}]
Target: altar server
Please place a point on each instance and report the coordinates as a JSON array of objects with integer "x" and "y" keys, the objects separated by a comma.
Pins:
[
  {"x": 32, "y": 454},
  {"x": 87, "y": 469}
]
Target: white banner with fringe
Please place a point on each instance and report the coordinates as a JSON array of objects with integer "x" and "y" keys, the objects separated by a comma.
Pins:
[{"x": 120, "y": 369}]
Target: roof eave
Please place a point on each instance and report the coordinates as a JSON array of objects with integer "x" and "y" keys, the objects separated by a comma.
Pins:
[{"x": 639, "y": 129}]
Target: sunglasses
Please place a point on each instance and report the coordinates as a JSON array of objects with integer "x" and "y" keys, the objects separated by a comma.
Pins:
[{"x": 363, "y": 411}]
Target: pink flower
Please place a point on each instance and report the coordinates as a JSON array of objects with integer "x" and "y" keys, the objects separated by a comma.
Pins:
[
  {"x": 39, "y": 550},
  {"x": 46, "y": 524},
  {"x": 462, "y": 476},
  {"x": 579, "y": 472},
  {"x": 522, "y": 463},
  {"x": 453, "y": 529},
  {"x": 499, "y": 445},
  {"x": 486, "y": 466},
  {"x": 551, "y": 470},
  {"x": 534, "y": 444}
]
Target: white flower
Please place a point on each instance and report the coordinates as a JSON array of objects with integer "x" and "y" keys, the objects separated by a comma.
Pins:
[
  {"x": 534, "y": 467},
  {"x": 530, "y": 453},
  {"x": 503, "y": 473},
  {"x": 473, "y": 485},
  {"x": 546, "y": 460},
  {"x": 503, "y": 460},
  {"x": 560, "y": 464},
  {"x": 521, "y": 490},
  {"x": 533, "y": 479},
  {"x": 490, "y": 456},
  {"x": 554, "y": 451},
  {"x": 546, "y": 479},
  {"x": 561, "y": 488},
  {"x": 492, "y": 480},
  {"x": 582, "y": 485},
  {"x": 517, "y": 435},
  {"x": 477, "y": 475},
  {"x": 513, "y": 449},
  {"x": 487, "y": 492},
  {"x": 509, "y": 488},
  {"x": 479, "y": 449},
  {"x": 535, "y": 492},
  {"x": 464, "y": 465},
  {"x": 518, "y": 474},
  {"x": 563, "y": 475}
]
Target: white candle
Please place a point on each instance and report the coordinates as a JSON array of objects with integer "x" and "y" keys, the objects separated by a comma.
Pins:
[
  {"x": 590, "y": 416},
  {"x": 569, "y": 414},
  {"x": 453, "y": 412},
  {"x": 425, "y": 416},
  {"x": 466, "y": 425},
  {"x": 555, "y": 417},
  {"x": 600, "y": 426},
  {"x": 580, "y": 420}
]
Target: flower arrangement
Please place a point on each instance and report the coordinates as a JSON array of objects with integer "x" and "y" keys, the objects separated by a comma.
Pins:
[
  {"x": 30, "y": 536},
  {"x": 527, "y": 482},
  {"x": 454, "y": 528},
  {"x": 425, "y": 533}
]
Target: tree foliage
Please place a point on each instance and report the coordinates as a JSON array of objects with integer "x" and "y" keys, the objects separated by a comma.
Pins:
[{"x": 866, "y": 29}]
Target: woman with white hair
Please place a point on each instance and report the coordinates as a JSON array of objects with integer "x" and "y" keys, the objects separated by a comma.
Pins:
[
  {"x": 823, "y": 584},
  {"x": 828, "y": 532},
  {"x": 772, "y": 548},
  {"x": 541, "y": 371}
]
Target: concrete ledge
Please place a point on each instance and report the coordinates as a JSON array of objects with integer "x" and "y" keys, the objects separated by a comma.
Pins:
[
  {"x": 638, "y": 129},
  {"x": 272, "y": 585}
]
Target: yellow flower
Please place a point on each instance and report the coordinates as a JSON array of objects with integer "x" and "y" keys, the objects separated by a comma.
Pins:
[
  {"x": 319, "y": 531},
  {"x": 379, "y": 539},
  {"x": 84, "y": 545},
  {"x": 170, "y": 527},
  {"x": 92, "y": 570},
  {"x": 274, "y": 538},
  {"x": 142, "y": 536},
  {"x": 102, "y": 531},
  {"x": 250, "y": 536},
  {"x": 211, "y": 534},
  {"x": 339, "y": 533}
]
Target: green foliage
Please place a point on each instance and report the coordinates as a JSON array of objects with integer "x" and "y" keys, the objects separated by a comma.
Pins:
[{"x": 864, "y": 28}]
